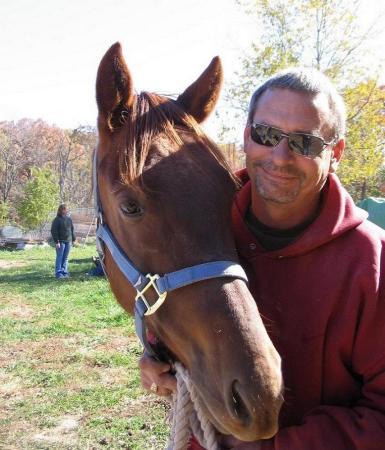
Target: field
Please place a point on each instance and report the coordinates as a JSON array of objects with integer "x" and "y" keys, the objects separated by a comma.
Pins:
[{"x": 68, "y": 361}]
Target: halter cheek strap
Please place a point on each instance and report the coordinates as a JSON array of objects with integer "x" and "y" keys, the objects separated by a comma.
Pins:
[{"x": 161, "y": 284}]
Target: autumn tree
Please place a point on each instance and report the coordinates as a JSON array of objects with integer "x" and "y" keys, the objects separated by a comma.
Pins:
[
  {"x": 362, "y": 165},
  {"x": 11, "y": 162},
  {"x": 27, "y": 143},
  {"x": 73, "y": 164},
  {"x": 23, "y": 144}
]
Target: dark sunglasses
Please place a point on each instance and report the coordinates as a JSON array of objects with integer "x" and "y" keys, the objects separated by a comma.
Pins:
[{"x": 300, "y": 143}]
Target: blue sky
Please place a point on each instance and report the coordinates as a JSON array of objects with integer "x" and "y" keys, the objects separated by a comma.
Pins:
[{"x": 51, "y": 49}]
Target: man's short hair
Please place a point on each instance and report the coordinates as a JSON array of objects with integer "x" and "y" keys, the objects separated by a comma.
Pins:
[{"x": 310, "y": 81}]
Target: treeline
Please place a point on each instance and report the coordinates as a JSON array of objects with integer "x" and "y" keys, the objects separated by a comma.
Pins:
[{"x": 40, "y": 166}]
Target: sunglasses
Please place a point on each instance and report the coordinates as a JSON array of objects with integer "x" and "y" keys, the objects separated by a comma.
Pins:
[{"x": 300, "y": 143}]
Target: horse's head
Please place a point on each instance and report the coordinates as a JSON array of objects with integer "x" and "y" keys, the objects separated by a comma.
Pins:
[{"x": 166, "y": 195}]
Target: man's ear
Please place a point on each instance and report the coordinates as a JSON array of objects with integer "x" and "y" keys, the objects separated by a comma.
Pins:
[{"x": 337, "y": 152}]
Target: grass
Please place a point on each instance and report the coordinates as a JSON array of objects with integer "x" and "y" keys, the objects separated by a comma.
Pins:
[{"x": 68, "y": 361}]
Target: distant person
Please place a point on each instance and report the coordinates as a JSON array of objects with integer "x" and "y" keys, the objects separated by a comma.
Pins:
[{"x": 62, "y": 231}]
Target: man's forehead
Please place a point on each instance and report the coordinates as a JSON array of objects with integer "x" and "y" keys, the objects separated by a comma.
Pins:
[{"x": 293, "y": 110}]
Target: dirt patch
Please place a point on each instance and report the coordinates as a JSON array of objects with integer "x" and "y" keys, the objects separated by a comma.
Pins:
[
  {"x": 12, "y": 264},
  {"x": 43, "y": 352},
  {"x": 57, "y": 355},
  {"x": 117, "y": 343},
  {"x": 17, "y": 312},
  {"x": 133, "y": 407},
  {"x": 15, "y": 308},
  {"x": 63, "y": 435},
  {"x": 49, "y": 356},
  {"x": 65, "y": 432}
]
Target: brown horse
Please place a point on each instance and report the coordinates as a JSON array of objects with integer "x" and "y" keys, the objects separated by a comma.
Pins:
[{"x": 165, "y": 194}]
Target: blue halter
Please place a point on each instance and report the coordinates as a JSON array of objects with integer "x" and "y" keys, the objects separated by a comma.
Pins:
[{"x": 160, "y": 284}]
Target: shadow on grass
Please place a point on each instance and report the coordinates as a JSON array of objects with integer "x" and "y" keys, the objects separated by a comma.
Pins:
[
  {"x": 37, "y": 279},
  {"x": 79, "y": 269},
  {"x": 81, "y": 261}
]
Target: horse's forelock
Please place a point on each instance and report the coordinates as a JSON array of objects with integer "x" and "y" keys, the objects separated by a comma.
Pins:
[{"x": 154, "y": 115}]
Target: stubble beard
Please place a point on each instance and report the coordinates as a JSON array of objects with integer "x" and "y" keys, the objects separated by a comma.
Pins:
[{"x": 274, "y": 191}]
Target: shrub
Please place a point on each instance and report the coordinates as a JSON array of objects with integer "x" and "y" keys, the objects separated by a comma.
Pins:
[{"x": 41, "y": 195}]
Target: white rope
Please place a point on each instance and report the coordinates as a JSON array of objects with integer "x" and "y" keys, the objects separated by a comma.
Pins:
[{"x": 188, "y": 417}]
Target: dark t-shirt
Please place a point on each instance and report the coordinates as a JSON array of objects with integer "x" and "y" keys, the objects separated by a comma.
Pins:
[{"x": 273, "y": 238}]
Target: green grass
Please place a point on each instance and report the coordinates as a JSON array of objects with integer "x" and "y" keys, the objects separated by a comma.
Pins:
[{"x": 68, "y": 355}]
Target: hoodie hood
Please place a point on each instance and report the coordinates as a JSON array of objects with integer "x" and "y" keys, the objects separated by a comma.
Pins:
[{"x": 338, "y": 214}]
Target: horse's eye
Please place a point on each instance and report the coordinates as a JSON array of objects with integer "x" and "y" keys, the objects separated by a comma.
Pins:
[{"x": 131, "y": 209}]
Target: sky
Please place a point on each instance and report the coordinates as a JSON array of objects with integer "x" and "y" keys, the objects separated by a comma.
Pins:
[{"x": 50, "y": 49}]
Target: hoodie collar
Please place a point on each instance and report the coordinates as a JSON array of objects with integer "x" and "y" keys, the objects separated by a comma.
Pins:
[{"x": 338, "y": 214}]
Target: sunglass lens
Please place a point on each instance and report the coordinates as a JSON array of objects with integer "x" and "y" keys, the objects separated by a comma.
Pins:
[
  {"x": 296, "y": 143},
  {"x": 275, "y": 136},
  {"x": 264, "y": 135},
  {"x": 258, "y": 134},
  {"x": 305, "y": 145}
]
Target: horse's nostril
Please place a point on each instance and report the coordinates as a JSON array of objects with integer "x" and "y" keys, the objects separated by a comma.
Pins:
[{"x": 239, "y": 407}]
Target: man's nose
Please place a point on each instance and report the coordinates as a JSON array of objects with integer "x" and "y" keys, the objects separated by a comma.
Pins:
[{"x": 282, "y": 153}]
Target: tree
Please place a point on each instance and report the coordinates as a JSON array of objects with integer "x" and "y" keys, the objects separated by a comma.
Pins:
[
  {"x": 362, "y": 165},
  {"x": 23, "y": 144},
  {"x": 73, "y": 163},
  {"x": 3, "y": 213},
  {"x": 11, "y": 162},
  {"x": 40, "y": 197},
  {"x": 325, "y": 34},
  {"x": 27, "y": 143}
]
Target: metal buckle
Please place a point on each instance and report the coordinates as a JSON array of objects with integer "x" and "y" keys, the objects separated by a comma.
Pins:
[{"x": 161, "y": 297}]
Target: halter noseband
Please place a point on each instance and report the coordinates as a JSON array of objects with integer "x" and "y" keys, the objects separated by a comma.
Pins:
[{"x": 161, "y": 284}]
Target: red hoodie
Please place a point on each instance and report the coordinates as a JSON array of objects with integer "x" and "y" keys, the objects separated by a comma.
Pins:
[{"x": 323, "y": 303}]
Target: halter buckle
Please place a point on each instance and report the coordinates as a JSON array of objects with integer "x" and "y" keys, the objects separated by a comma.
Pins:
[{"x": 161, "y": 297}]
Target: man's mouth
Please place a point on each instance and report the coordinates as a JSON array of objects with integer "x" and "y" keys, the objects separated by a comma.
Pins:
[{"x": 279, "y": 176}]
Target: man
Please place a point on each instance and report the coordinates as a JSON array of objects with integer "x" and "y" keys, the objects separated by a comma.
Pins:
[
  {"x": 316, "y": 270},
  {"x": 62, "y": 232}
]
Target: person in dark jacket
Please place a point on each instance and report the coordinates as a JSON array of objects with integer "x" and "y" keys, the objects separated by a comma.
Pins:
[{"x": 62, "y": 231}]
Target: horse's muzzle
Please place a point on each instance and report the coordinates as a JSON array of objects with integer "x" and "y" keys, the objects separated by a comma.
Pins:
[{"x": 253, "y": 417}]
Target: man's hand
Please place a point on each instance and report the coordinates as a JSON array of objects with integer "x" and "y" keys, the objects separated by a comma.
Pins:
[
  {"x": 156, "y": 373},
  {"x": 57, "y": 244}
]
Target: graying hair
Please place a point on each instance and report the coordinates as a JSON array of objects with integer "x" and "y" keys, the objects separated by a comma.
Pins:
[{"x": 310, "y": 81}]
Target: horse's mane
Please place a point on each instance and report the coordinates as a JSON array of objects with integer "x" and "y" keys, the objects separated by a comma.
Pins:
[{"x": 154, "y": 115}]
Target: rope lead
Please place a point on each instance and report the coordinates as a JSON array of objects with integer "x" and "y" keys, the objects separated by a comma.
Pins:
[{"x": 187, "y": 416}]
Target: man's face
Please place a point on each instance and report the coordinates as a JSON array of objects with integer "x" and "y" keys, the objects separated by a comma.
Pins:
[{"x": 277, "y": 173}]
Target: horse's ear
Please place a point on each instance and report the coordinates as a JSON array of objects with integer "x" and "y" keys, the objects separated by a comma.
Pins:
[
  {"x": 114, "y": 90},
  {"x": 200, "y": 98}
]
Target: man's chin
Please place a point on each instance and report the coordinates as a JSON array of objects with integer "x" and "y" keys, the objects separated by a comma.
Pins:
[{"x": 277, "y": 196}]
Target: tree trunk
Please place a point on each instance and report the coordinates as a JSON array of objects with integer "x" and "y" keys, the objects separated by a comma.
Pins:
[{"x": 363, "y": 190}]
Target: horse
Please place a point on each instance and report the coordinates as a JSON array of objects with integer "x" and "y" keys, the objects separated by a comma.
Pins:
[{"x": 164, "y": 194}]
